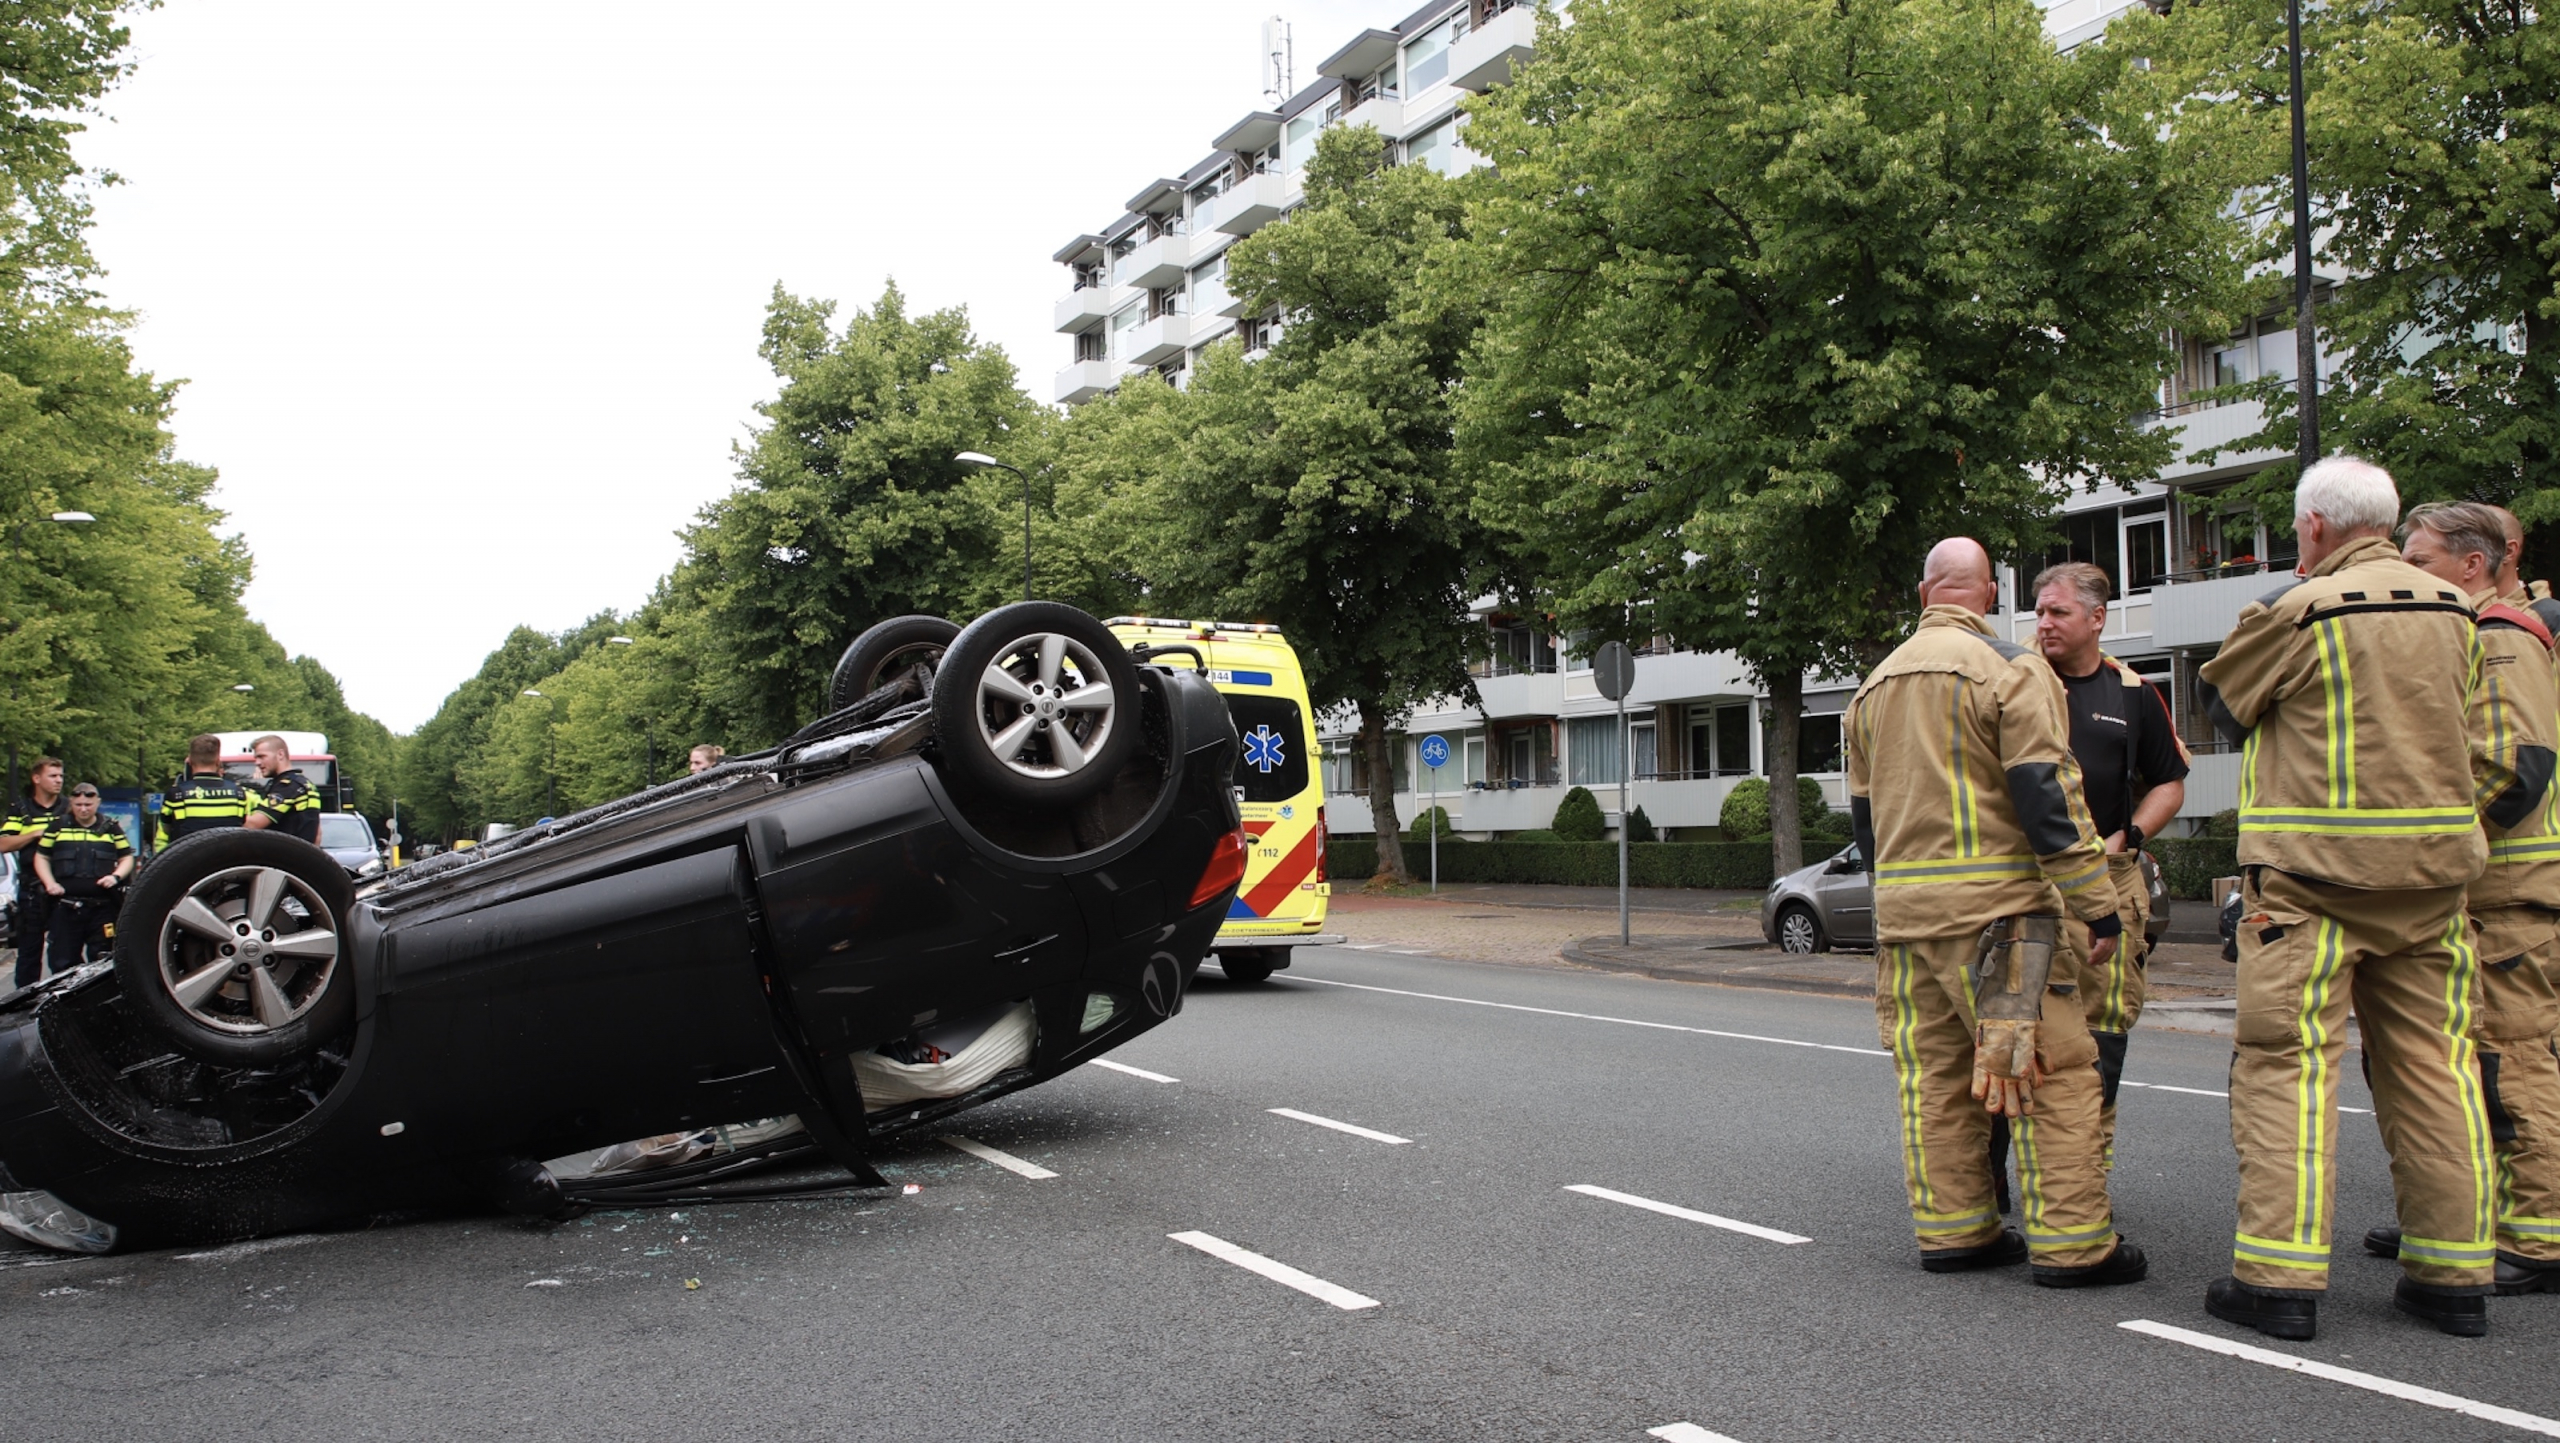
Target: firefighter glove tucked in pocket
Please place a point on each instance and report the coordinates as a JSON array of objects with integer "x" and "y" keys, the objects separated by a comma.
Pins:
[{"x": 2011, "y": 969}]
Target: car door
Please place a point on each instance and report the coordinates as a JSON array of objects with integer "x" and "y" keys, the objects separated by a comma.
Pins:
[{"x": 1846, "y": 894}]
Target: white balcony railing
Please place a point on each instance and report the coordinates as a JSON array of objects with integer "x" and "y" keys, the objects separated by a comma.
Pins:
[
  {"x": 1155, "y": 265},
  {"x": 1250, "y": 204},
  {"x": 1080, "y": 310},
  {"x": 1161, "y": 339},
  {"x": 1483, "y": 57},
  {"x": 1085, "y": 380}
]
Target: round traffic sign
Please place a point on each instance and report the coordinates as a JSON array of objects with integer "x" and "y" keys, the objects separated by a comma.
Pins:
[
  {"x": 1435, "y": 752},
  {"x": 1613, "y": 668}
]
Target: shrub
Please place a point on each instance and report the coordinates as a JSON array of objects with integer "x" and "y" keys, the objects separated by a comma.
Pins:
[
  {"x": 1746, "y": 809},
  {"x": 1640, "y": 827},
  {"x": 1540, "y": 834},
  {"x": 2189, "y": 864},
  {"x": 2224, "y": 823},
  {"x": 1736, "y": 865},
  {"x": 1578, "y": 817},
  {"x": 1432, "y": 818}
]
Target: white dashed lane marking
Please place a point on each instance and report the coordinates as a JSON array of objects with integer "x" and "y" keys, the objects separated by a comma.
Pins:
[
  {"x": 2209, "y": 1092},
  {"x": 1004, "y": 1160},
  {"x": 2330, "y": 1372},
  {"x": 1685, "y": 1433},
  {"x": 1370, "y": 1133},
  {"x": 1689, "y": 1214},
  {"x": 1278, "y": 1272},
  {"x": 1132, "y": 1071}
]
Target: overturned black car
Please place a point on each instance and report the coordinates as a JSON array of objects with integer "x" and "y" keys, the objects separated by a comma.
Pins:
[{"x": 1014, "y": 843}]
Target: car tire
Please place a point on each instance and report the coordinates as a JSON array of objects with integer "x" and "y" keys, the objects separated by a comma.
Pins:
[
  {"x": 1242, "y": 967},
  {"x": 1008, "y": 727},
  {"x": 1799, "y": 931},
  {"x": 280, "y": 906},
  {"x": 880, "y": 652}
]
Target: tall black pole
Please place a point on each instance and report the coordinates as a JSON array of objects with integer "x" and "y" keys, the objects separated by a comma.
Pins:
[
  {"x": 1026, "y": 531},
  {"x": 2306, "y": 341}
]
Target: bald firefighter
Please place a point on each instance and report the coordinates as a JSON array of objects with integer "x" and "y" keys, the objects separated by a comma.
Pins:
[
  {"x": 2515, "y": 906},
  {"x": 2354, "y": 694},
  {"x": 1964, "y": 791}
]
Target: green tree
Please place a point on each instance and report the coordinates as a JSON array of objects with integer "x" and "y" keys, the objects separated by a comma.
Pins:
[
  {"x": 1782, "y": 293},
  {"x": 1315, "y": 488},
  {"x": 852, "y": 510},
  {"x": 458, "y": 772}
]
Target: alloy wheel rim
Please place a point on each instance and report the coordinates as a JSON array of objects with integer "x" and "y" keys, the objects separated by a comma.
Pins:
[
  {"x": 248, "y": 950},
  {"x": 1045, "y": 706},
  {"x": 1795, "y": 932}
]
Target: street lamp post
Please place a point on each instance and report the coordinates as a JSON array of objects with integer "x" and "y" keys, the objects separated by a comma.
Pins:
[
  {"x": 980, "y": 458},
  {"x": 18, "y": 554},
  {"x": 2306, "y": 344}
]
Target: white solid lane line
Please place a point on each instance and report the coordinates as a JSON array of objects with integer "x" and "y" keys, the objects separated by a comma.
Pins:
[
  {"x": 1278, "y": 1272},
  {"x": 1596, "y": 1017},
  {"x": 1689, "y": 1214},
  {"x": 2451, "y": 1403},
  {"x": 1132, "y": 1071},
  {"x": 2209, "y": 1092},
  {"x": 1685, "y": 1433},
  {"x": 1370, "y": 1133},
  {"x": 1004, "y": 1160}
]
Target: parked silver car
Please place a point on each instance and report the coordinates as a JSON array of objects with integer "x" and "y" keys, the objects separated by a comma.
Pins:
[{"x": 1833, "y": 904}]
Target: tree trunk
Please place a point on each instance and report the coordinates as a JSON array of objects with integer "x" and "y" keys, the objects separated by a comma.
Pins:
[
  {"x": 1382, "y": 796},
  {"x": 1786, "y": 821}
]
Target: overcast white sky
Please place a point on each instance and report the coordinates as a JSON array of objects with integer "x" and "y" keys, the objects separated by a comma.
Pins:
[{"x": 466, "y": 295}]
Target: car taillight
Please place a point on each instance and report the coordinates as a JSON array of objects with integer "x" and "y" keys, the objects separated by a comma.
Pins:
[
  {"x": 1226, "y": 867},
  {"x": 1324, "y": 839}
]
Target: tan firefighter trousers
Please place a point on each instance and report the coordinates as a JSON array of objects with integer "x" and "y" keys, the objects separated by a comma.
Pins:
[
  {"x": 2519, "y": 950},
  {"x": 2111, "y": 996},
  {"x": 2405, "y": 960},
  {"x": 1924, "y": 1013}
]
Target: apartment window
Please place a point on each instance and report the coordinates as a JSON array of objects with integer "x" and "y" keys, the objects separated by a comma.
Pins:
[
  {"x": 1208, "y": 286},
  {"x": 1093, "y": 345},
  {"x": 1166, "y": 302},
  {"x": 1426, "y": 60},
  {"x": 1818, "y": 745},
  {"x": 1436, "y": 148},
  {"x": 2231, "y": 364},
  {"x": 1475, "y": 759},
  {"x": 1333, "y": 113},
  {"x": 1298, "y": 144},
  {"x": 1720, "y": 739},
  {"x": 1640, "y": 747},
  {"x": 1088, "y": 275},
  {"x": 1577, "y": 652},
  {"x": 1591, "y": 752},
  {"x": 2146, "y": 546},
  {"x": 1255, "y": 335},
  {"x": 2278, "y": 353},
  {"x": 1123, "y": 322},
  {"x": 1384, "y": 83},
  {"x": 2086, "y": 536}
]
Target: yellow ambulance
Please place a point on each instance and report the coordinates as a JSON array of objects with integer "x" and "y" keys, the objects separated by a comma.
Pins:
[{"x": 1280, "y": 788}]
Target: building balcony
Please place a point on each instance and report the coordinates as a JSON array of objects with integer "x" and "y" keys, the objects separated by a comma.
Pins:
[
  {"x": 2201, "y": 613},
  {"x": 1484, "y": 56},
  {"x": 1207, "y": 327},
  {"x": 1251, "y": 204},
  {"x": 1384, "y": 114},
  {"x": 1079, "y": 311},
  {"x": 1085, "y": 380},
  {"x": 1155, "y": 341},
  {"x": 1159, "y": 263}
]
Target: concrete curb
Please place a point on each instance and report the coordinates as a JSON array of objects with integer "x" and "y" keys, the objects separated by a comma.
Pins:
[{"x": 1585, "y": 954}]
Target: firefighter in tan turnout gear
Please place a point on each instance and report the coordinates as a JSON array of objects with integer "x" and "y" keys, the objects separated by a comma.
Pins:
[
  {"x": 1964, "y": 792},
  {"x": 2354, "y": 694},
  {"x": 2515, "y": 906}
]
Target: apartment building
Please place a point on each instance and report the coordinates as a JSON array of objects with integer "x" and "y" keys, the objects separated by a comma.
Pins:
[{"x": 1146, "y": 292}]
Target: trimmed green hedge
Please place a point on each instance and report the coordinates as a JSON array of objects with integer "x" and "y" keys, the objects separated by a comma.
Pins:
[
  {"x": 1578, "y": 864},
  {"x": 2189, "y": 864}
]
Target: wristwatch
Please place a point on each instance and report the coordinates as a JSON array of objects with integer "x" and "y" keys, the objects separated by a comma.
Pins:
[{"x": 2132, "y": 837}]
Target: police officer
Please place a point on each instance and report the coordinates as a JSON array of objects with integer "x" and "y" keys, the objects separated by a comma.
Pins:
[
  {"x": 2352, "y": 692},
  {"x": 2133, "y": 772},
  {"x": 81, "y": 861},
  {"x": 1964, "y": 792},
  {"x": 285, "y": 799},
  {"x": 2515, "y": 906},
  {"x": 204, "y": 799},
  {"x": 20, "y": 829}
]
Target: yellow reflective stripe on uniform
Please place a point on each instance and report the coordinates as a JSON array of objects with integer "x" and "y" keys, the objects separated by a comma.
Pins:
[
  {"x": 2313, "y": 1257},
  {"x": 1935, "y": 1225},
  {"x": 2311, "y": 1084},
  {"x": 2523, "y": 849},
  {"x": 1906, "y": 1075},
  {"x": 2461, "y": 987},
  {"x": 1903, "y": 874},
  {"x": 2096, "y": 871},
  {"x": 2524, "y": 1227},
  {"x": 2338, "y": 713},
  {"x": 2104, "y": 1232},
  {"x": 2436, "y": 1250},
  {"x": 2360, "y": 821},
  {"x": 1968, "y": 812}
]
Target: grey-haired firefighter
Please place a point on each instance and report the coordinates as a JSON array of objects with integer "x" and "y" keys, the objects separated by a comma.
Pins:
[
  {"x": 1964, "y": 792},
  {"x": 2515, "y": 906},
  {"x": 2365, "y": 769}
]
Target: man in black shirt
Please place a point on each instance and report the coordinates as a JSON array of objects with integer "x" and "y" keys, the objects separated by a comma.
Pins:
[
  {"x": 285, "y": 799},
  {"x": 82, "y": 861},
  {"x": 2133, "y": 770},
  {"x": 20, "y": 829}
]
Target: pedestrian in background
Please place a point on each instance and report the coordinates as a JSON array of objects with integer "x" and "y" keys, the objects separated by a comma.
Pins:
[
  {"x": 2133, "y": 773},
  {"x": 1963, "y": 790},
  {"x": 82, "y": 861},
  {"x": 2352, "y": 694},
  {"x": 20, "y": 829},
  {"x": 203, "y": 800},
  {"x": 705, "y": 757},
  {"x": 285, "y": 799},
  {"x": 2515, "y": 906}
]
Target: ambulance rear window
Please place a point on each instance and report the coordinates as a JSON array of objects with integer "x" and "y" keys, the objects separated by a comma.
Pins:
[{"x": 1273, "y": 765}]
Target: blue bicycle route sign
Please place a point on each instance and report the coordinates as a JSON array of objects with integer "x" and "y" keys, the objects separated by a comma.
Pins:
[{"x": 1435, "y": 752}]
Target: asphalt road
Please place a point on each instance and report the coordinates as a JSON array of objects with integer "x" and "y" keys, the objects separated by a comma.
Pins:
[{"x": 1507, "y": 1306}]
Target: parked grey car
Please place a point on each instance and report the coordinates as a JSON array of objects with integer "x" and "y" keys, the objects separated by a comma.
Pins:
[{"x": 1833, "y": 904}]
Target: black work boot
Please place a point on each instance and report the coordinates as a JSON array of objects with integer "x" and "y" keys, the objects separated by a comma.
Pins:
[
  {"x": 2382, "y": 1242},
  {"x": 2125, "y": 1265},
  {"x": 2520, "y": 1274},
  {"x": 2004, "y": 1251},
  {"x": 2278, "y": 1315},
  {"x": 2462, "y": 1312}
]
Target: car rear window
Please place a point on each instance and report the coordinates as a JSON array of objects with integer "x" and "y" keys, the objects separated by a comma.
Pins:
[{"x": 1272, "y": 767}]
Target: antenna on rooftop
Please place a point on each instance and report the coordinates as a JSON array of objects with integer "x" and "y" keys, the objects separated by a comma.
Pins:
[{"x": 1279, "y": 61}]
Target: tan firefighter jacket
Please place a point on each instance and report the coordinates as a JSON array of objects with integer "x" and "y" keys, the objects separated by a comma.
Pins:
[
  {"x": 2354, "y": 697},
  {"x": 2521, "y": 705},
  {"x": 1963, "y": 789}
]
